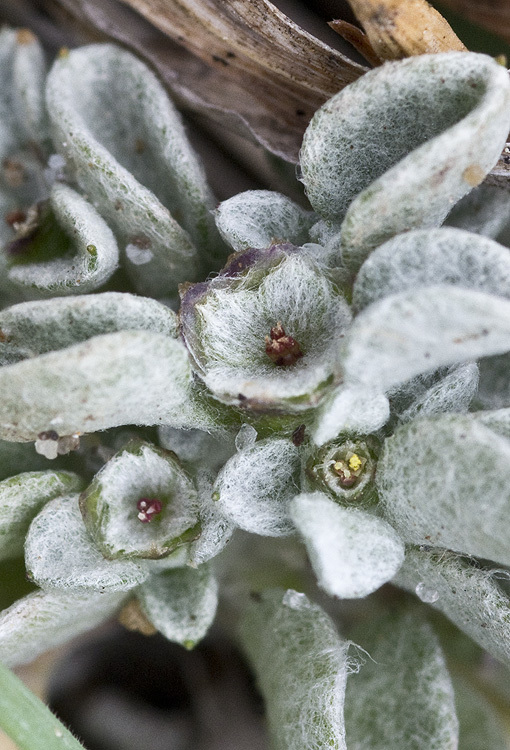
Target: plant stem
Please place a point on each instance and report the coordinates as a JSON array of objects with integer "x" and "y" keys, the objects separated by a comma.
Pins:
[{"x": 27, "y": 721}]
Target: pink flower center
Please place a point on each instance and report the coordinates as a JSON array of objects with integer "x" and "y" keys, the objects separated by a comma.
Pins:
[{"x": 148, "y": 507}]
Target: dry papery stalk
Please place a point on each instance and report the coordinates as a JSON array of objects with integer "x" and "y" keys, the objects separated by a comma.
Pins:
[
  {"x": 265, "y": 83},
  {"x": 403, "y": 28}
]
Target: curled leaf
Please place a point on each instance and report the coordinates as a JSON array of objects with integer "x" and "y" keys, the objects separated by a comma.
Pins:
[
  {"x": 22, "y": 497},
  {"x": 134, "y": 163},
  {"x": 82, "y": 249},
  {"x": 260, "y": 218},
  {"x": 53, "y": 563},
  {"x": 363, "y": 155}
]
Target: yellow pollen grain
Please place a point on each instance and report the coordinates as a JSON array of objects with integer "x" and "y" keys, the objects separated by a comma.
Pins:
[{"x": 355, "y": 462}]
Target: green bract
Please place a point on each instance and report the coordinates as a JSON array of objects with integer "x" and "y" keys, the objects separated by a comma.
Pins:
[
  {"x": 225, "y": 323},
  {"x": 111, "y": 504}
]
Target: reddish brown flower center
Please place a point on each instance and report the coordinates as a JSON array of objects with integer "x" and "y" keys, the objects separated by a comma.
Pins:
[
  {"x": 283, "y": 350},
  {"x": 148, "y": 507}
]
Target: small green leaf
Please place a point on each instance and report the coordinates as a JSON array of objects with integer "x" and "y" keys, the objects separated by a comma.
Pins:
[
  {"x": 301, "y": 666},
  {"x": 28, "y": 721},
  {"x": 469, "y": 596},
  {"x": 22, "y": 497},
  {"x": 254, "y": 488},
  {"x": 114, "y": 504},
  {"x": 402, "y": 697},
  {"x": 60, "y": 554},
  {"x": 181, "y": 603},
  {"x": 129, "y": 377},
  {"x": 352, "y": 552},
  {"x": 423, "y": 329},
  {"x": 46, "y": 619},
  {"x": 445, "y": 482}
]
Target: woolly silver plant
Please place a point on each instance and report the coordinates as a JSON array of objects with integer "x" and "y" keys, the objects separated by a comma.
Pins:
[{"x": 339, "y": 386}]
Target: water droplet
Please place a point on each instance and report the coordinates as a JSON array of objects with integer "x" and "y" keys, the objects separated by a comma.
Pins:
[
  {"x": 293, "y": 599},
  {"x": 246, "y": 437},
  {"x": 138, "y": 255},
  {"x": 58, "y": 732},
  {"x": 426, "y": 593}
]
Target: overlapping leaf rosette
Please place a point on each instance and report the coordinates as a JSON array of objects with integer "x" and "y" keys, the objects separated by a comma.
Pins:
[{"x": 340, "y": 385}]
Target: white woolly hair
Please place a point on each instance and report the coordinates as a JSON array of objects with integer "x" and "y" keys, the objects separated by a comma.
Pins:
[
  {"x": 254, "y": 488},
  {"x": 443, "y": 481},
  {"x": 469, "y": 596},
  {"x": 235, "y": 322},
  {"x": 46, "y": 619},
  {"x": 352, "y": 552},
  {"x": 53, "y": 562},
  {"x": 433, "y": 256},
  {"x": 302, "y": 666}
]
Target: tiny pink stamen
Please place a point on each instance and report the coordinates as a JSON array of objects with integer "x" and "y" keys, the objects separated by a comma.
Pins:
[{"x": 148, "y": 507}]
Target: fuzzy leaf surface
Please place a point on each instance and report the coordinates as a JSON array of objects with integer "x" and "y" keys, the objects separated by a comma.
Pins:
[
  {"x": 352, "y": 552},
  {"x": 90, "y": 252},
  {"x": 417, "y": 331},
  {"x": 402, "y": 696},
  {"x": 254, "y": 488},
  {"x": 32, "y": 328},
  {"x": 350, "y": 409},
  {"x": 60, "y": 554},
  {"x": 181, "y": 603},
  {"x": 452, "y": 393},
  {"x": 46, "y": 619},
  {"x": 301, "y": 666},
  {"x": 433, "y": 256},
  {"x": 22, "y": 497},
  {"x": 260, "y": 218},
  {"x": 363, "y": 145},
  {"x": 134, "y": 162},
  {"x": 129, "y": 377},
  {"x": 469, "y": 596},
  {"x": 444, "y": 482}
]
